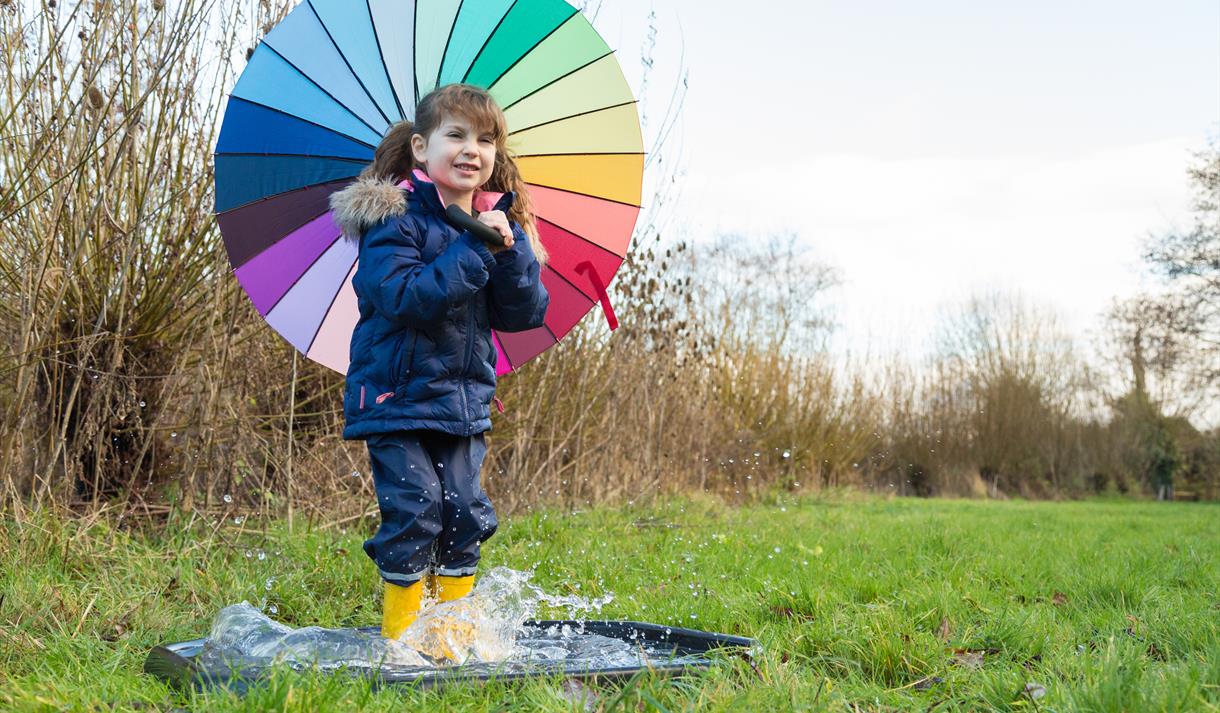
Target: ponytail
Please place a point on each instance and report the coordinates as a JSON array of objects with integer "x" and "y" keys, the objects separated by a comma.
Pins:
[
  {"x": 507, "y": 177},
  {"x": 393, "y": 160}
]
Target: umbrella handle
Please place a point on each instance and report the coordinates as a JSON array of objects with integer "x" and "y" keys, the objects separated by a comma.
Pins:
[{"x": 463, "y": 220}]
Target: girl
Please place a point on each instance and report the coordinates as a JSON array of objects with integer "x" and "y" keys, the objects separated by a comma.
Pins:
[{"x": 423, "y": 366}]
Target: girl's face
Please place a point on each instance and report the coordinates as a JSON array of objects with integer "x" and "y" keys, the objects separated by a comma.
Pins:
[{"x": 456, "y": 157}]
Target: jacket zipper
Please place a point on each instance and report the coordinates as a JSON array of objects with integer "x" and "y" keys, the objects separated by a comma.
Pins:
[
  {"x": 469, "y": 353},
  {"x": 403, "y": 369}
]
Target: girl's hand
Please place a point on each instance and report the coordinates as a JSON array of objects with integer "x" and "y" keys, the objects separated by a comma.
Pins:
[{"x": 496, "y": 220}]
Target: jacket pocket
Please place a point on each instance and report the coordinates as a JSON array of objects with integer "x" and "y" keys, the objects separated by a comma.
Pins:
[{"x": 403, "y": 358}]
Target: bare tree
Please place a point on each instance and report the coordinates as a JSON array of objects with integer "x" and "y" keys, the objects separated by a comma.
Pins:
[
  {"x": 768, "y": 290},
  {"x": 1022, "y": 379},
  {"x": 1180, "y": 326}
]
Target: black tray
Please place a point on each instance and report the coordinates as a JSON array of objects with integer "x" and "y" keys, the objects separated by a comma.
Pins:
[{"x": 176, "y": 664}]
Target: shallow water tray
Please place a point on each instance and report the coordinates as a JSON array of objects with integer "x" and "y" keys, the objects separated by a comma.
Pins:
[{"x": 670, "y": 650}]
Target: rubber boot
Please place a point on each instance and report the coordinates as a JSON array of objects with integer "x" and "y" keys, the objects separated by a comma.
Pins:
[
  {"x": 450, "y": 637},
  {"x": 401, "y": 608},
  {"x": 449, "y": 588}
]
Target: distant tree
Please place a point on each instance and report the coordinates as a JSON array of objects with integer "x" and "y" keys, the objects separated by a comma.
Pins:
[
  {"x": 1021, "y": 381},
  {"x": 1181, "y": 323},
  {"x": 769, "y": 290},
  {"x": 1168, "y": 343}
]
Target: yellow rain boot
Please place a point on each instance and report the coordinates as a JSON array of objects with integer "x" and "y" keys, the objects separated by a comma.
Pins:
[
  {"x": 448, "y": 638},
  {"x": 401, "y": 608},
  {"x": 449, "y": 588}
]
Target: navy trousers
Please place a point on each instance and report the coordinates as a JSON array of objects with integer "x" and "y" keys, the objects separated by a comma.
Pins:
[{"x": 434, "y": 514}]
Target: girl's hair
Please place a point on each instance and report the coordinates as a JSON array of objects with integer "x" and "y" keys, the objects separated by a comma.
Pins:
[{"x": 393, "y": 159}]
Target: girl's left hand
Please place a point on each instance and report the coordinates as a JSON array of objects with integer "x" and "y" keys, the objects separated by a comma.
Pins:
[{"x": 496, "y": 220}]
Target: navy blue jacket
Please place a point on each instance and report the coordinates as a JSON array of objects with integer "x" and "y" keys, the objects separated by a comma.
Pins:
[{"x": 429, "y": 295}]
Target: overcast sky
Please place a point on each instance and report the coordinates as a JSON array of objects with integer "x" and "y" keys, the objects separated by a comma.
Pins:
[{"x": 930, "y": 150}]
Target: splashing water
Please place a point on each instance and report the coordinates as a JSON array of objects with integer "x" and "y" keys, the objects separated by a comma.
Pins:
[
  {"x": 484, "y": 626},
  {"x": 483, "y": 630},
  {"x": 243, "y": 636}
]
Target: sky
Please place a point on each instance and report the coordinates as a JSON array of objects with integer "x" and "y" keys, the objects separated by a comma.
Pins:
[{"x": 934, "y": 150}]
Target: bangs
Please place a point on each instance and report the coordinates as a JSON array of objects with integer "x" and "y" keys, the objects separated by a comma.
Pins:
[{"x": 480, "y": 111}]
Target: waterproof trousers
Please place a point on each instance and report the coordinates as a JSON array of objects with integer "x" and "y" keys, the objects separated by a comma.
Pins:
[{"x": 434, "y": 514}]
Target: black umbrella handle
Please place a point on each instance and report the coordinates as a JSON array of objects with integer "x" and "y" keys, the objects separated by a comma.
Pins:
[{"x": 463, "y": 220}]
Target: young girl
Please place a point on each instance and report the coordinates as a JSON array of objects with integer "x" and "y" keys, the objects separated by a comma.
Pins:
[{"x": 423, "y": 366}]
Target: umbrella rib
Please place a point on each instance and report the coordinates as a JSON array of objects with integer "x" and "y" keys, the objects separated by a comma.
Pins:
[
  {"x": 477, "y": 55},
  {"x": 278, "y": 240},
  {"x": 533, "y": 47},
  {"x": 346, "y": 276},
  {"x": 556, "y": 79},
  {"x": 414, "y": 44},
  {"x": 290, "y": 189},
  {"x": 381, "y": 53},
  {"x": 277, "y": 195},
  {"x": 452, "y": 27},
  {"x": 586, "y": 195},
  {"x": 572, "y": 116},
  {"x": 560, "y": 275},
  {"x": 581, "y": 237},
  {"x": 351, "y": 69},
  {"x": 511, "y": 366},
  {"x": 545, "y": 326},
  {"x": 345, "y": 107},
  {"x": 336, "y": 132},
  {"x": 313, "y": 262},
  {"x": 347, "y": 159},
  {"x": 256, "y": 154}
]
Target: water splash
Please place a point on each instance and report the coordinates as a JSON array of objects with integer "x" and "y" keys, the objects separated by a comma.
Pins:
[
  {"x": 243, "y": 636},
  {"x": 482, "y": 630},
  {"x": 485, "y": 626}
]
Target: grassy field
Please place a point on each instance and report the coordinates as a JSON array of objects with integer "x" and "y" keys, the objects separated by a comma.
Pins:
[{"x": 859, "y": 603}]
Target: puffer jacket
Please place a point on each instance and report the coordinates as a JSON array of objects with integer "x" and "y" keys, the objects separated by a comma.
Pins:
[{"x": 429, "y": 295}]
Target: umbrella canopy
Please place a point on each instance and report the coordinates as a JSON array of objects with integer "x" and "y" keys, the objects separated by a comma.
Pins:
[{"x": 326, "y": 83}]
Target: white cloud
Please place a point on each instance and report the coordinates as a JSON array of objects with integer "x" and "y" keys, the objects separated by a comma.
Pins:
[{"x": 911, "y": 235}]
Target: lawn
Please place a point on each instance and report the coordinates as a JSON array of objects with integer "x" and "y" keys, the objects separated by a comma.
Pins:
[{"x": 859, "y": 603}]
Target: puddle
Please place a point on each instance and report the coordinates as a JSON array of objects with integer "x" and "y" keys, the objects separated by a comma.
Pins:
[{"x": 486, "y": 630}]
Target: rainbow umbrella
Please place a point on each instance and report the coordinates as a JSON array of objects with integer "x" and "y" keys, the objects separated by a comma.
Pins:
[{"x": 325, "y": 84}]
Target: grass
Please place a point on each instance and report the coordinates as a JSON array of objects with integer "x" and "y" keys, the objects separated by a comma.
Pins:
[{"x": 859, "y": 603}]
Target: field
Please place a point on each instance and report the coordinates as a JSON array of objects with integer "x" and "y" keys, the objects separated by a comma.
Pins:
[{"x": 860, "y": 603}]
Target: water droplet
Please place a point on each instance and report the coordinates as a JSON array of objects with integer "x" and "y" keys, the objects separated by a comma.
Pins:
[
  {"x": 142, "y": 404},
  {"x": 238, "y": 520},
  {"x": 228, "y": 498},
  {"x": 787, "y": 454}
]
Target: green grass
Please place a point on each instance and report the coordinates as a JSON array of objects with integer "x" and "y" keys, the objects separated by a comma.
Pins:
[{"x": 860, "y": 604}]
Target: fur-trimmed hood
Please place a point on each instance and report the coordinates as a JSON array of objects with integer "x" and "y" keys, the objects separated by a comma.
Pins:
[
  {"x": 366, "y": 203},
  {"x": 369, "y": 201}
]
